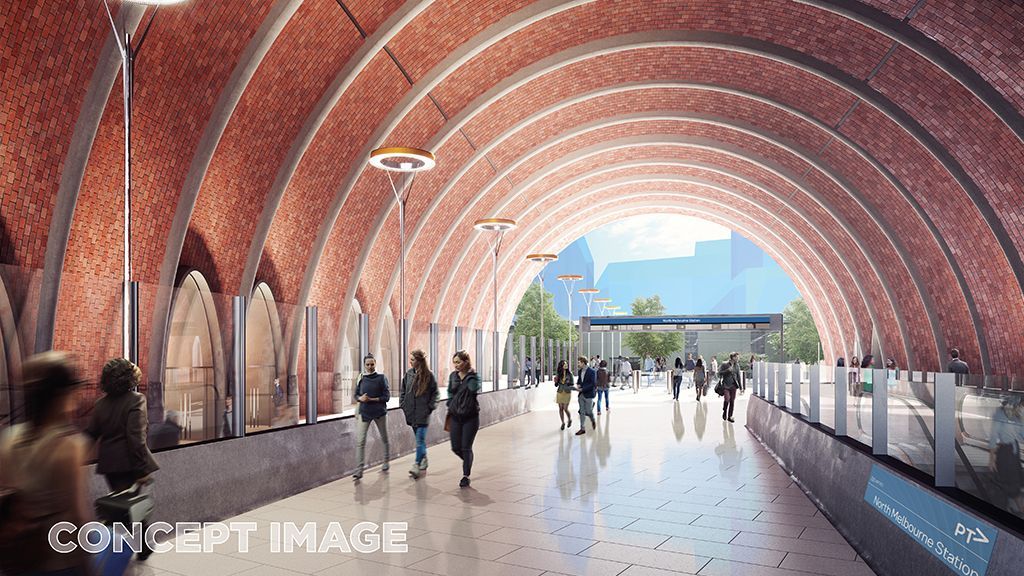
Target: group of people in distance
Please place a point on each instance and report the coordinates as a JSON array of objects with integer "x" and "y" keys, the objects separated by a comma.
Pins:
[
  {"x": 730, "y": 379},
  {"x": 589, "y": 383},
  {"x": 418, "y": 397}
]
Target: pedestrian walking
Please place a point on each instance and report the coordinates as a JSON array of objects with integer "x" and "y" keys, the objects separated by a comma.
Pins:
[
  {"x": 700, "y": 379},
  {"x": 43, "y": 471},
  {"x": 677, "y": 378},
  {"x": 464, "y": 411},
  {"x": 418, "y": 398},
  {"x": 603, "y": 384},
  {"x": 563, "y": 392},
  {"x": 372, "y": 395},
  {"x": 120, "y": 426},
  {"x": 729, "y": 381},
  {"x": 586, "y": 380}
]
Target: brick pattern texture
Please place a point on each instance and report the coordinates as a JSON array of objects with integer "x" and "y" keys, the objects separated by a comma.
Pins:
[{"x": 862, "y": 223}]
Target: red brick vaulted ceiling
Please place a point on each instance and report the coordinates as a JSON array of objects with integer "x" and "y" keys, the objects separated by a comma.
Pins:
[{"x": 872, "y": 148}]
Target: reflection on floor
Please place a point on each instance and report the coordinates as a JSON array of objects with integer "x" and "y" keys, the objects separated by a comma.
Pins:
[{"x": 659, "y": 488}]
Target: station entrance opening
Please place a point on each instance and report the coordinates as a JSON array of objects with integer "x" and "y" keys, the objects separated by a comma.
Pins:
[{"x": 707, "y": 335}]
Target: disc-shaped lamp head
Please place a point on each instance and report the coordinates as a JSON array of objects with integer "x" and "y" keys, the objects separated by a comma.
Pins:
[
  {"x": 494, "y": 224},
  {"x": 542, "y": 258},
  {"x": 398, "y": 159},
  {"x": 569, "y": 277}
]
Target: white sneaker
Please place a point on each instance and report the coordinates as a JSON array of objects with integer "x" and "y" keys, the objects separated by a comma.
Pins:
[{"x": 423, "y": 463}]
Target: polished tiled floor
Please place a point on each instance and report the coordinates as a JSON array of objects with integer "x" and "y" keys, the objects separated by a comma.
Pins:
[{"x": 659, "y": 488}]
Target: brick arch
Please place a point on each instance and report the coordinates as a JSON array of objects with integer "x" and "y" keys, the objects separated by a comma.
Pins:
[
  {"x": 534, "y": 225},
  {"x": 505, "y": 203},
  {"x": 365, "y": 252},
  {"x": 971, "y": 119},
  {"x": 639, "y": 142}
]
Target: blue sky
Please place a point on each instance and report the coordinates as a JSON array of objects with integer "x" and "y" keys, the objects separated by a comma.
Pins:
[{"x": 649, "y": 237}]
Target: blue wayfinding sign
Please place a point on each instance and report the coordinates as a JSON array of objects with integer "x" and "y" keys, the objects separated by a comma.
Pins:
[{"x": 962, "y": 542}]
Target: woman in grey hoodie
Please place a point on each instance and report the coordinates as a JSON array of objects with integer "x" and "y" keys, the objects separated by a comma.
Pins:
[{"x": 372, "y": 394}]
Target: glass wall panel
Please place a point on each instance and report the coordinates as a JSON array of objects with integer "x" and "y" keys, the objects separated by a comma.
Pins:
[
  {"x": 989, "y": 433},
  {"x": 828, "y": 396},
  {"x": 347, "y": 366},
  {"x": 859, "y": 405},
  {"x": 265, "y": 379},
  {"x": 193, "y": 399},
  {"x": 911, "y": 419},
  {"x": 388, "y": 362}
]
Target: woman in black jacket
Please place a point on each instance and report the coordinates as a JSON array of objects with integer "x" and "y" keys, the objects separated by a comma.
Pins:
[
  {"x": 418, "y": 399},
  {"x": 120, "y": 425},
  {"x": 463, "y": 425}
]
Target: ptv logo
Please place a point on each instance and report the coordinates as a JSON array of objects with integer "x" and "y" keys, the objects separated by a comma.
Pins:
[{"x": 970, "y": 535}]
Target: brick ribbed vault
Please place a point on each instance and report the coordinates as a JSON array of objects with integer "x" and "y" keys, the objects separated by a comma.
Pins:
[{"x": 871, "y": 148}]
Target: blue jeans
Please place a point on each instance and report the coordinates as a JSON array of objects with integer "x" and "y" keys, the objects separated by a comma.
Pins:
[
  {"x": 602, "y": 392},
  {"x": 421, "y": 442}
]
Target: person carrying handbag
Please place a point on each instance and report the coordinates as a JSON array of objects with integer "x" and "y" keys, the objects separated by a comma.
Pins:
[
  {"x": 463, "y": 420},
  {"x": 728, "y": 383},
  {"x": 120, "y": 426}
]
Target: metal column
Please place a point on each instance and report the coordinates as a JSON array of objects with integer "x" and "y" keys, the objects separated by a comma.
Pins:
[
  {"x": 533, "y": 358},
  {"x": 133, "y": 322},
  {"x": 479, "y": 355},
  {"x": 458, "y": 339},
  {"x": 509, "y": 368},
  {"x": 238, "y": 310},
  {"x": 522, "y": 359},
  {"x": 364, "y": 338},
  {"x": 435, "y": 332},
  {"x": 311, "y": 364}
]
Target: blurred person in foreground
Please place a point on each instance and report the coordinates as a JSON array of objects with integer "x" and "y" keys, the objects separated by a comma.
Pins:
[{"x": 42, "y": 472}]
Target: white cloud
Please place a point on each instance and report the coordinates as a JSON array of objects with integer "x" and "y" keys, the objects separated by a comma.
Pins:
[{"x": 648, "y": 237}]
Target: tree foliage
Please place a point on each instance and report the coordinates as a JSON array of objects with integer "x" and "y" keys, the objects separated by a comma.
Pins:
[
  {"x": 801, "y": 339},
  {"x": 528, "y": 317},
  {"x": 653, "y": 344}
]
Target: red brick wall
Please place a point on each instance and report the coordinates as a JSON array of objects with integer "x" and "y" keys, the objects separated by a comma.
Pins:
[{"x": 49, "y": 57}]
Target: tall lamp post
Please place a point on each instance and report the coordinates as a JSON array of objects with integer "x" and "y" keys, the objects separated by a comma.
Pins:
[
  {"x": 588, "y": 297},
  {"x": 543, "y": 260},
  {"x": 123, "y": 39},
  {"x": 569, "y": 282},
  {"x": 499, "y": 226},
  {"x": 603, "y": 302},
  {"x": 407, "y": 161}
]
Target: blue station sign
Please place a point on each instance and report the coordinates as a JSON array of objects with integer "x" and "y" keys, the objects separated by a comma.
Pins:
[
  {"x": 676, "y": 320},
  {"x": 959, "y": 540}
]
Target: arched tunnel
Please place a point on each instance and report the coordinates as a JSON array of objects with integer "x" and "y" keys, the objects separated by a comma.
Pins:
[{"x": 872, "y": 148}]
